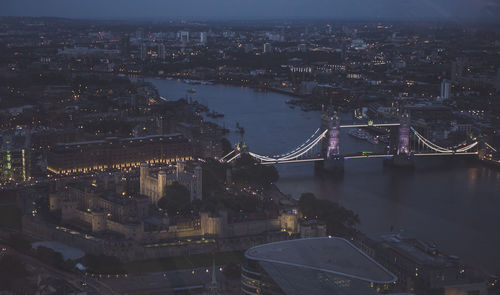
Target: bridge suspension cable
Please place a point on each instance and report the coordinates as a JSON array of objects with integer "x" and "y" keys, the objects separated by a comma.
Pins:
[
  {"x": 304, "y": 148},
  {"x": 228, "y": 154},
  {"x": 466, "y": 148},
  {"x": 429, "y": 143},
  {"x": 236, "y": 156},
  {"x": 300, "y": 146},
  {"x": 489, "y": 146},
  {"x": 296, "y": 153},
  {"x": 441, "y": 149}
]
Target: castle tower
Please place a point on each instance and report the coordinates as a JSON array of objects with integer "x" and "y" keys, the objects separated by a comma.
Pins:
[
  {"x": 98, "y": 221},
  {"x": 143, "y": 174},
  {"x": 162, "y": 184}
]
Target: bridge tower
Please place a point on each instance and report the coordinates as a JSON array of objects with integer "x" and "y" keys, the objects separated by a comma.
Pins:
[
  {"x": 403, "y": 156},
  {"x": 481, "y": 149},
  {"x": 330, "y": 149},
  {"x": 404, "y": 135}
]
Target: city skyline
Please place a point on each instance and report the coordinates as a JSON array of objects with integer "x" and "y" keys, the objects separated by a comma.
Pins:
[
  {"x": 442, "y": 10},
  {"x": 300, "y": 156}
]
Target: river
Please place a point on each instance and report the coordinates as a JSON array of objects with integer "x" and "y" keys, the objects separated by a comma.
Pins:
[{"x": 454, "y": 203}]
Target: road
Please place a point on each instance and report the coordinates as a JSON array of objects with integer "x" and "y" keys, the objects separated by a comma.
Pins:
[
  {"x": 93, "y": 286},
  {"x": 169, "y": 281}
]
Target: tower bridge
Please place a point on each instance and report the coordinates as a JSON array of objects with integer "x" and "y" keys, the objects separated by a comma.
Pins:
[{"x": 323, "y": 146}]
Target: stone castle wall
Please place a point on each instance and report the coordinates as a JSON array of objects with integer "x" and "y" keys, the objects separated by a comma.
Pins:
[{"x": 128, "y": 250}]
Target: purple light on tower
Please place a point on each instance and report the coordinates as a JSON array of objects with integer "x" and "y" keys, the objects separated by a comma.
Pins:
[
  {"x": 333, "y": 135},
  {"x": 404, "y": 135}
]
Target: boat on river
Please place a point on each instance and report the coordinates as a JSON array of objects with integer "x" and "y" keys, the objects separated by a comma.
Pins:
[{"x": 359, "y": 134}]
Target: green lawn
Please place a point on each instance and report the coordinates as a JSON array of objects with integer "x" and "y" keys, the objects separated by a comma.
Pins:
[{"x": 184, "y": 262}]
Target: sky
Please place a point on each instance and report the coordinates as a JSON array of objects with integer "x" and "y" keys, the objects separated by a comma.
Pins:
[{"x": 452, "y": 10}]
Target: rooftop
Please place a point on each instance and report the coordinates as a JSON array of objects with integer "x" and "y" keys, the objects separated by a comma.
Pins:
[
  {"x": 331, "y": 255},
  {"x": 416, "y": 250}
]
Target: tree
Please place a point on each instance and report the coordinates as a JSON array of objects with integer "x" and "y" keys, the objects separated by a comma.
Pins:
[
  {"x": 177, "y": 199},
  {"x": 338, "y": 219},
  {"x": 247, "y": 170},
  {"x": 214, "y": 174}
]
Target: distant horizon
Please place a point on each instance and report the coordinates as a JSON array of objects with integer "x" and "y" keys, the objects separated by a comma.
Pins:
[
  {"x": 479, "y": 11},
  {"x": 180, "y": 20}
]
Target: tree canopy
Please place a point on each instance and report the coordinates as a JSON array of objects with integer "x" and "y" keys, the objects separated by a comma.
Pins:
[
  {"x": 248, "y": 171},
  {"x": 338, "y": 219},
  {"x": 176, "y": 200}
]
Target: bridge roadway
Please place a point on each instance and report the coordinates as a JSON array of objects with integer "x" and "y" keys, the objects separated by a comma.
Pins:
[
  {"x": 367, "y": 156},
  {"x": 370, "y": 125}
]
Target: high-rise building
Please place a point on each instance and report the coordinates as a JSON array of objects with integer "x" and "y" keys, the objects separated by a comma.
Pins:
[
  {"x": 139, "y": 33},
  {"x": 143, "y": 51},
  {"x": 497, "y": 81},
  {"x": 203, "y": 37},
  {"x": 445, "y": 89},
  {"x": 15, "y": 161},
  {"x": 184, "y": 36},
  {"x": 268, "y": 48},
  {"x": 457, "y": 69},
  {"x": 125, "y": 45},
  {"x": 162, "y": 51},
  {"x": 248, "y": 47},
  {"x": 302, "y": 47}
]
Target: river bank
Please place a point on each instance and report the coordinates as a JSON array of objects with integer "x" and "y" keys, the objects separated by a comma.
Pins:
[{"x": 441, "y": 200}]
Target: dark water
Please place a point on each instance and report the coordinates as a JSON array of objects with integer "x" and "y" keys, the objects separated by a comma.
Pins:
[{"x": 454, "y": 203}]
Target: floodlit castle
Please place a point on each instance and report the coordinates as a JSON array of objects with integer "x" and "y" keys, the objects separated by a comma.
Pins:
[{"x": 153, "y": 184}]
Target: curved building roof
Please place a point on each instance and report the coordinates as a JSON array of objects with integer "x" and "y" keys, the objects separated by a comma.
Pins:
[{"x": 331, "y": 255}]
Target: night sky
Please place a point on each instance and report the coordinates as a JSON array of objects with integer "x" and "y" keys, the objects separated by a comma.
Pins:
[{"x": 454, "y": 10}]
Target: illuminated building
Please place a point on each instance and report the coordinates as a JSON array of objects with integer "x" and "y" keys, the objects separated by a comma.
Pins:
[
  {"x": 445, "y": 89},
  {"x": 143, "y": 51},
  {"x": 302, "y": 48},
  {"x": 153, "y": 186},
  {"x": 312, "y": 266},
  {"x": 110, "y": 204},
  {"x": 497, "y": 81},
  {"x": 162, "y": 51},
  {"x": 118, "y": 153},
  {"x": 422, "y": 268},
  {"x": 268, "y": 48},
  {"x": 184, "y": 36},
  {"x": 223, "y": 225},
  {"x": 101, "y": 210},
  {"x": 203, "y": 37},
  {"x": 15, "y": 160},
  {"x": 125, "y": 45}
]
